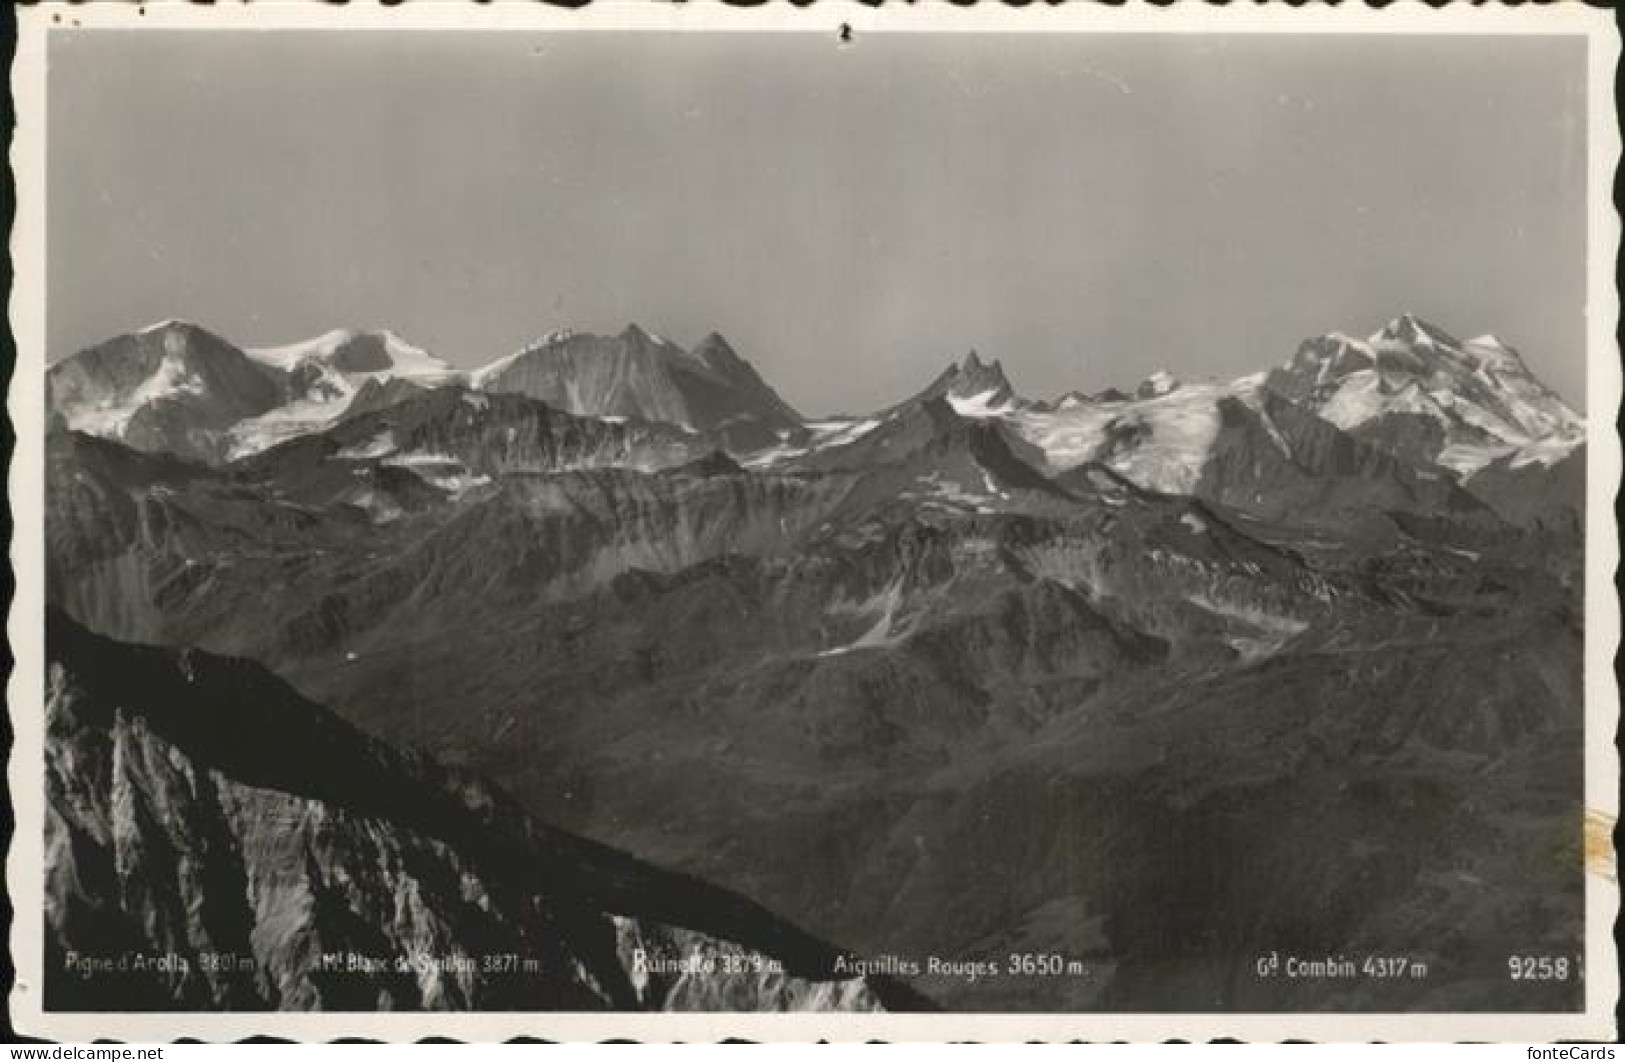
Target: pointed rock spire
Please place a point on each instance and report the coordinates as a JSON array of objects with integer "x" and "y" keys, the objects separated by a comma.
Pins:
[{"x": 1411, "y": 329}]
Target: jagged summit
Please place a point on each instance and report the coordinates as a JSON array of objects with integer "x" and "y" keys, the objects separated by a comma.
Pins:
[
  {"x": 1411, "y": 329},
  {"x": 173, "y": 386}
]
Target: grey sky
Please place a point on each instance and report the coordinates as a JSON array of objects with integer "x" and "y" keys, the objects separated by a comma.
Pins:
[{"x": 1087, "y": 208}]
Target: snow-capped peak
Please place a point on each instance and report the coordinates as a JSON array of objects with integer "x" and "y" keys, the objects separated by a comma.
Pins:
[
  {"x": 354, "y": 352},
  {"x": 164, "y": 325},
  {"x": 976, "y": 383}
]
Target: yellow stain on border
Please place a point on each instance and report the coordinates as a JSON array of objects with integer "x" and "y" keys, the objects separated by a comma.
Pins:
[{"x": 1599, "y": 844}]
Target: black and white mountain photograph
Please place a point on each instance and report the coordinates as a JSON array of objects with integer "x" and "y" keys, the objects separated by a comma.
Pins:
[{"x": 667, "y": 520}]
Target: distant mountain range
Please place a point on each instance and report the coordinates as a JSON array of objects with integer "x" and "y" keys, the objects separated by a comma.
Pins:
[{"x": 1151, "y": 679}]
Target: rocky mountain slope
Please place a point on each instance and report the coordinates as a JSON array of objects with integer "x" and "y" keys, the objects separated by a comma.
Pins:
[
  {"x": 173, "y": 387},
  {"x": 216, "y": 841},
  {"x": 966, "y": 677},
  {"x": 177, "y": 388}
]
